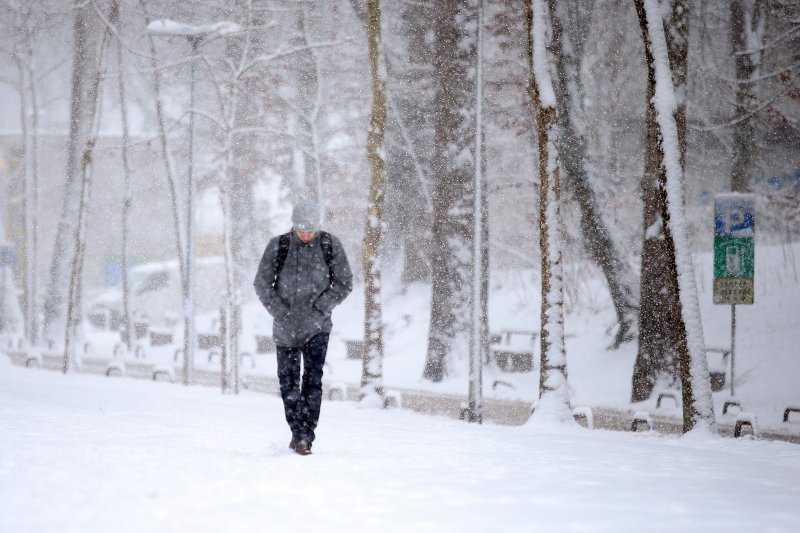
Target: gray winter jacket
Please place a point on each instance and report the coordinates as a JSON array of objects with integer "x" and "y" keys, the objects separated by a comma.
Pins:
[{"x": 306, "y": 294}]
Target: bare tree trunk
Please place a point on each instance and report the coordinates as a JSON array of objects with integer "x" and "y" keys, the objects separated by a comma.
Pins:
[
  {"x": 409, "y": 203},
  {"x": 24, "y": 83},
  {"x": 232, "y": 114},
  {"x": 597, "y": 234},
  {"x": 748, "y": 18},
  {"x": 231, "y": 303},
  {"x": 127, "y": 322},
  {"x": 89, "y": 39},
  {"x": 659, "y": 313},
  {"x": 165, "y": 152},
  {"x": 553, "y": 401},
  {"x": 372, "y": 370},
  {"x": 453, "y": 170},
  {"x": 23, "y": 57},
  {"x": 246, "y": 165},
  {"x": 32, "y": 288},
  {"x": 666, "y": 42},
  {"x": 73, "y": 299},
  {"x": 79, "y": 237}
]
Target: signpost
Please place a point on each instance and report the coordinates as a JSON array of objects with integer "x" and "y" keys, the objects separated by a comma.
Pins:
[
  {"x": 6, "y": 262},
  {"x": 734, "y": 257}
]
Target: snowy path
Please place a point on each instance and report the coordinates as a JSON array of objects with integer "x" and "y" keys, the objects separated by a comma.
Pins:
[{"x": 84, "y": 453}]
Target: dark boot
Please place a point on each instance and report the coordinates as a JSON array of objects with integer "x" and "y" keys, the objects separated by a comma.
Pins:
[
  {"x": 293, "y": 443},
  {"x": 302, "y": 448}
]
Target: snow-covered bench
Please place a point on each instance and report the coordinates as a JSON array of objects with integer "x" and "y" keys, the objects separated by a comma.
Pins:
[
  {"x": 160, "y": 337},
  {"x": 788, "y": 411},
  {"x": 717, "y": 366},
  {"x": 744, "y": 420},
  {"x": 512, "y": 350},
  {"x": 584, "y": 414},
  {"x": 207, "y": 341},
  {"x": 642, "y": 418}
]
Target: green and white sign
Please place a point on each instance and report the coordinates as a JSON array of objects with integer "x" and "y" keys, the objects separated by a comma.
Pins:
[{"x": 734, "y": 248}]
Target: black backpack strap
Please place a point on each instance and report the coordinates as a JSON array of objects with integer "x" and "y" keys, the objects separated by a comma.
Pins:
[
  {"x": 326, "y": 243},
  {"x": 280, "y": 258}
]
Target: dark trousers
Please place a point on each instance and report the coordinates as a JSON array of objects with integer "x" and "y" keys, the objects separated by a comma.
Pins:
[{"x": 302, "y": 403}]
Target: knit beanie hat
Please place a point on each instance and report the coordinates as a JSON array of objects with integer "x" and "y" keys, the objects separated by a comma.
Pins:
[{"x": 306, "y": 216}]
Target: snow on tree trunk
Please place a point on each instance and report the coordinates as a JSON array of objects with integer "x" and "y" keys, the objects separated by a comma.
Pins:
[
  {"x": 372, "y": 370},
  {"x": 747, "y": 25},
  {"x": 236, "y": 190},
  {"x": 88, "y": 46},
  {"x": 659, "y": 312},
  {"x": 599, "y": 236},
  {"x": 698, "y": 408},
  {"x": 248, "y": 162},
  {"x": 455, "y": 30},
  {"x": 553, "y": 404}
]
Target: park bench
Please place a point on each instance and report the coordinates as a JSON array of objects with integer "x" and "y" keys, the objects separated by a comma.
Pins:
[
  {"x": 512, "y": 350},
  {"x": 717, "y": 366},
  {"x": 207, "y": 341},
  {"x": 160, "y": 337}
]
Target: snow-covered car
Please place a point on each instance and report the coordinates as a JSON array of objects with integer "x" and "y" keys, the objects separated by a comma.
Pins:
[{"x": 156, "y": 295}]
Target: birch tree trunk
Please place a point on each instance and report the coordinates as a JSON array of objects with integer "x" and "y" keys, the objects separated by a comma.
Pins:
[
  {"x": 598, "y": 236},
  {"x": 748, "y": 19},
  {"x": 553, "y": 404},
  {"x": 247, "y": 162},
  {"x": 669, "y": 150},
  {"x": 127, "y": 322},
  {"x": 454, "y": 161},
  {"x": 84, "y": 93},
  {"x": 166, "y": 156},
  {"x": 79, "y": 235},
  {"x": 372, "y": 371},
  {"x": 238, "y": 153},
  {"x": 25, "y": 27}
]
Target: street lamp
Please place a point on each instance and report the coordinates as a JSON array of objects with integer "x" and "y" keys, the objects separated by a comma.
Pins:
[
  {"x": 475, "y": 392},
  {"x": 195, "y": 34}
]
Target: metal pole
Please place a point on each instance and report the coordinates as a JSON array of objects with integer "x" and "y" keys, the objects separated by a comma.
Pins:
[
  {"x": 733, "y": 348},
  {"x": 188, "y": 293},
  {"x": 475, "y": 401}
]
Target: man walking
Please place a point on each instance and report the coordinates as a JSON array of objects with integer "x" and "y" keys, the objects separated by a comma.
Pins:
[{"x": 303, "y": 275}]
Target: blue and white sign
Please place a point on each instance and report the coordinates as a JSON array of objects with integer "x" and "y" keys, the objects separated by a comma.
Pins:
[
  {"x": 733, "y": 215},
  {"x": 734, "y": 249}
]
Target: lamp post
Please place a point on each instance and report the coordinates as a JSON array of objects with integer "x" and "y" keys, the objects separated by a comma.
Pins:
[
  {"x": 195, "y": 34},
  {"x": 474, "y": 411}
]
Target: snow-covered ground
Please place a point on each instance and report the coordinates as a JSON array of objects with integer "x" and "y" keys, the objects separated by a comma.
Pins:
[{"x": 86, "y": 453}]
